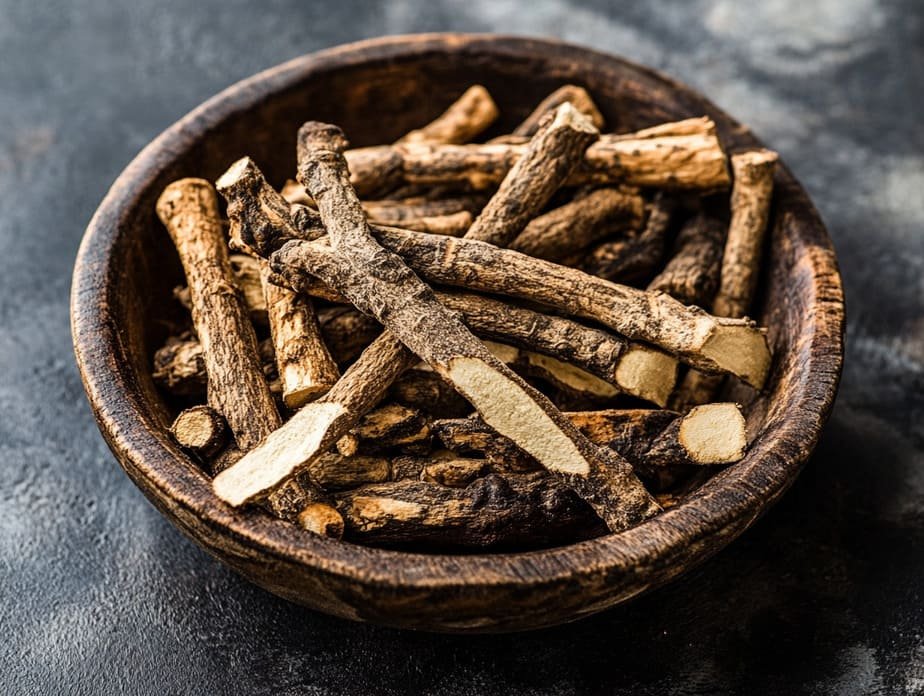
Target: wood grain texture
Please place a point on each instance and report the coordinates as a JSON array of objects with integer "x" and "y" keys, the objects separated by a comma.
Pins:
[{"x": 802, "y": 304}]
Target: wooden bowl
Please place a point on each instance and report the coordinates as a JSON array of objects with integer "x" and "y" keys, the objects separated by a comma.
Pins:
[{"x": 377, "y": 90}]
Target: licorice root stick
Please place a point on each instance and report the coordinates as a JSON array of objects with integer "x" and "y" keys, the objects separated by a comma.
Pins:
[
  {"x": 236, "y": 386},
  {"x": 306, "y": 368},
  {"x": 750, "y": 208},
  {"x": 546, "y": 162}
]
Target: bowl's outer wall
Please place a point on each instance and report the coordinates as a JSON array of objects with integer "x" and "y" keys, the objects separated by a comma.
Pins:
[{"x": 376, "y": 91}]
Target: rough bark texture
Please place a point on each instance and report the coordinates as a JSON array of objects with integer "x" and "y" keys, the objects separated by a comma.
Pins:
[
  {"x": 256, "y": 210},
  {"x": 699, "y": 339},
  {"x": 692, "y": 274},
  {"x": 179, "y": 366},
  {"x": 634, "y": 256},
  {"x": 547, "y": 161},
  {"x": 578, "y": 97},
  {"x": 685, "y": 155},
  {"x": 576, "y": 225},
  {"x": 454, "y": 472},
  {"x": 314, "y": 429},
  {"x": 522, "y": 511},
  {"x": 200, "y": 429},
  {"x": 379, "y": 283},
  {"x": 750, "y": 208},
  {"x": 347, "y": 332},
  {"x": 236, "y": 386},
  {"x": 306, "y": 368},
  {"x": 426, "y": 390},
  {"x": 246, "y": 271},
  {"x": 465, "y": 118},
  {"x": 391, "y": 425},
  {"x": 334, "y": 472},
  {"x": 246, "y": 278}
]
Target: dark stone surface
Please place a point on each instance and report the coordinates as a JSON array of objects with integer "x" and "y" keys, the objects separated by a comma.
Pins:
[{"x": 99, "y": 594}]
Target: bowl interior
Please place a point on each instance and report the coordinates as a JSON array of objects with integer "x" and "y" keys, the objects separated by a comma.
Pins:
[{"x": 123, "y": 310}]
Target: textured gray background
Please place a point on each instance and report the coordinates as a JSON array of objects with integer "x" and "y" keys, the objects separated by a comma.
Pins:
[{"x": 99, "y": 594}]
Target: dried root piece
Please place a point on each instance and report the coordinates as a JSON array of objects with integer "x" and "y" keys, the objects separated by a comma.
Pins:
[
  {"x": 578, "y": 97},
  {"x": 556, "y": 345},
  {"x": 550, "y": 157},
  {"x": 426, "y": 390},
  {"x": 335, "y": 472},
  {"x": 408, "y": 309},
  {"x": 391, "y": 425},
  {"x": 634, "y": 256},
  {"x": 189, "y": 210},
  {"x": 465, "y": 118},
  {"x": 401, "y": 212},
  {"x": 306, "y": 368},
  {"x": 454, "y": 225},
  {"x": 246, "y": 271},
  {"x": 686, "y": 155},
  {"x": 561, "y": 375},
  {"x": 347, "y": 332},
  {"x": 200, "y": 430},
  {"x": 454, "y": 472},
  {"x": 572, "y": 227},
  {"x": 179, "y": 366},
  {"x": 523, "y": 511},
  {"x": 709, "y": 435},
  {"x": 750, "y": 208},
  {"x": 699, "y": 339},
  {"x": 692, "y": 274}
]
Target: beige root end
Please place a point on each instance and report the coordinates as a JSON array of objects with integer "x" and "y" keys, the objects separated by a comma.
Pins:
[
  {"x": 714, "y": 434},
  {"x": 196, "y": 428},
  {"x": 234, "y": 173},
  {"x": 279, "y": 456},
  {"x": 322, "y": 519},
  {"x": 348, "y": 445},
  {"x": 296, "y": 397},
  {"x": 566, "y": 116},
  {"x": 513, "y": 413},
  {"x": 647, "y": 373},
  {"x": 737, "y": 348}
]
